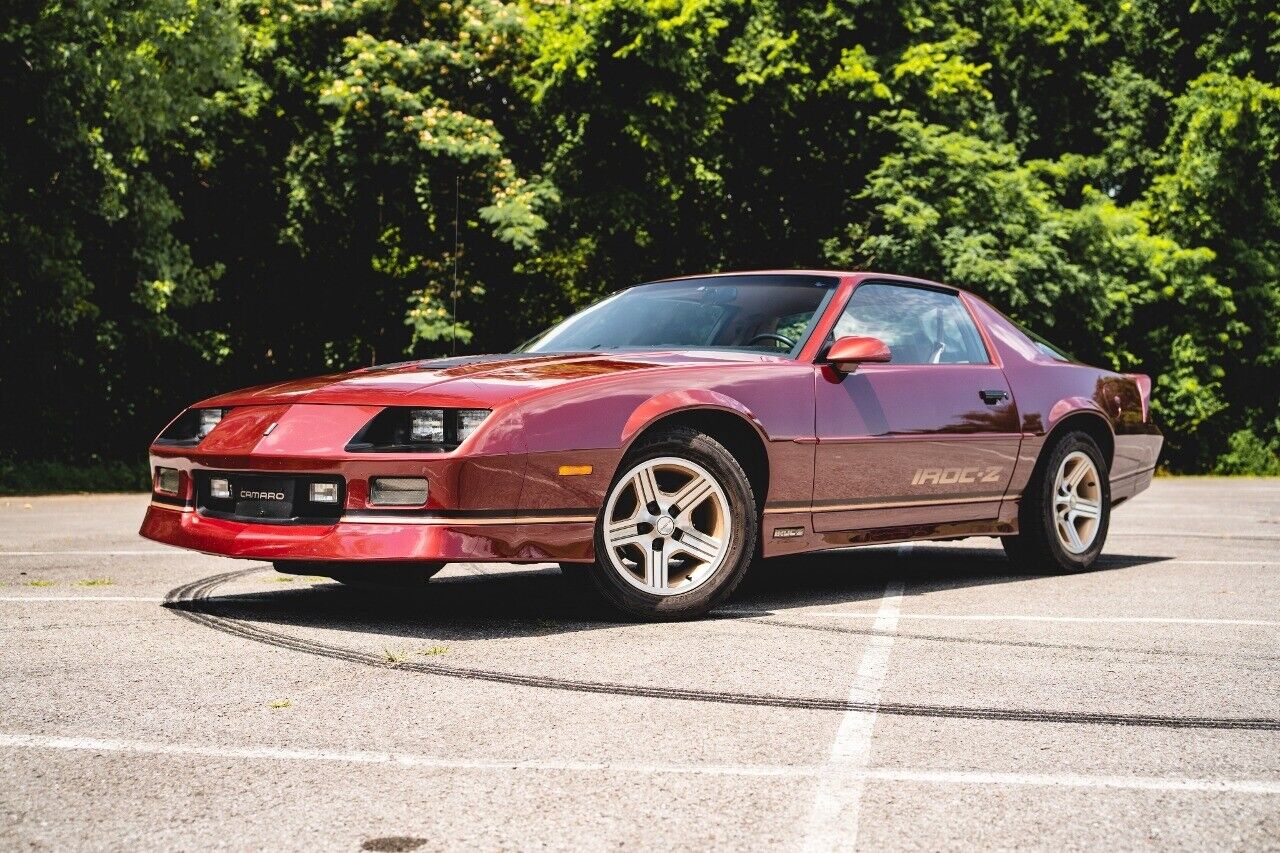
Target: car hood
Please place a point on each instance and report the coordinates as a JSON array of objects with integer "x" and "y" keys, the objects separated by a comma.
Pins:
[{"x": 481, "y": 381}]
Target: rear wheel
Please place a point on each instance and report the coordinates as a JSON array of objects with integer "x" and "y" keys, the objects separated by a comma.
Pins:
[
  {"x": 1065, "y": 510},
  {"x": 678, "y": 529},
  {"x": 397, "y": 575}
]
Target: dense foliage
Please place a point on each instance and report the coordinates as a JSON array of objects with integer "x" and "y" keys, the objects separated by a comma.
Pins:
[{"x": 200, "y": 195}]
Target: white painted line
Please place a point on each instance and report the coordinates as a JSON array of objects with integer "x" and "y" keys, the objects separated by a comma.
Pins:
[
  {"x": 1179, "y": 561},
  {"x": 403, "y": 759},
  {"x": 99, "y": 553},
  {"x": 1070, "y": 780},
  {"x": 833, "y": 816},
  {"x": 1014, "y": 617},
  {"x": 1165, "y": 534},
  {"x": 821, "y": 771},
  {"x": 80, "y": 598}
]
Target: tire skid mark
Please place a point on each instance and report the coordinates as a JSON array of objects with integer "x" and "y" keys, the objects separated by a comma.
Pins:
[
  {"x": 989, "y": 641},
  {"x": 191, "y": 602}
]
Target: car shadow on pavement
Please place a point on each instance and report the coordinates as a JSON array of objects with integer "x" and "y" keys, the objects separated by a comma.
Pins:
[{"x": 514, "y": 602}]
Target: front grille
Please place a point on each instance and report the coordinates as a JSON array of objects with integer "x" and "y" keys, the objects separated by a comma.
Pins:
[{"x": 269, "y": 498}]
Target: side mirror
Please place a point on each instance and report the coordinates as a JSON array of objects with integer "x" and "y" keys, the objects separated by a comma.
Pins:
[{"x": 847, "y": 353}]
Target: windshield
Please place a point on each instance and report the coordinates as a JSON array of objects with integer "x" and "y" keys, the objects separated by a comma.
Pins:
[{"x": 773, "y": 313}]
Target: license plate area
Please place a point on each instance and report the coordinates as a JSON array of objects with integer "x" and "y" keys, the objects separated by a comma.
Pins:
[
  {"x": 268, "y": 498},
  {"x": 263, "y": 497}
]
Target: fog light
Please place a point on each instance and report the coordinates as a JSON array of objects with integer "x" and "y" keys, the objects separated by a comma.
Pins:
[
  {"x": 398, "y": 491},
  {"x": 167, "y": 481},
  {"x": 324, "y": 493},
  {"x": 219, "y": 488}
]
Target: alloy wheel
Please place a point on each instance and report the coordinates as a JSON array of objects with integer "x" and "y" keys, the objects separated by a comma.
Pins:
[
  {"x": 667, "y": 526},
  {"x": 1077, "y": 502}
]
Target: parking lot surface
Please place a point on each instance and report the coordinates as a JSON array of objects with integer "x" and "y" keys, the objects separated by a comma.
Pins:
[{"x": 915, "y": 697}]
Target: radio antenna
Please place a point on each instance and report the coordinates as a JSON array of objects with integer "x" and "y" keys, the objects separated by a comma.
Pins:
[{"x": 457, "y": 191}]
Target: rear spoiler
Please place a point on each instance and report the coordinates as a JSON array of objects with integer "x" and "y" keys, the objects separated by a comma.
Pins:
[{"x": 1143, "y": 381}]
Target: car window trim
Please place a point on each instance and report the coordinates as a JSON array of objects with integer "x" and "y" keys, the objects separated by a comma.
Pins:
[
  {"x": 821, "y": 357},
  {"x": 830, "y": 285}
]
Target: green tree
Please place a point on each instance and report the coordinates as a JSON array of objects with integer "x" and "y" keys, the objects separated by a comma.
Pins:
[
  {"x": 104, "y": 101},
  {"x": 198, "y": 196}
]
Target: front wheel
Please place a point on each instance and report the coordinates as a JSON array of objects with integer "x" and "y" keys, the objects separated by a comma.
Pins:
[
  {"x": 1065, "y": 510},
  {"x": 678, "y": 529}
]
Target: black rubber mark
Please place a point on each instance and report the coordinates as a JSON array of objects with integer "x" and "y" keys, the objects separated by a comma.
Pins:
[
  {"x": 987, "y": 641},
  {"x": 190, "y": 602},
  {"x": 394, "y": 844},
  {"x": 1165, "y": 534}
]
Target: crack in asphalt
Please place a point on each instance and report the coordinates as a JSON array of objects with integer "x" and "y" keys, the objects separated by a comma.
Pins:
[{"x": 192, "y": 600}]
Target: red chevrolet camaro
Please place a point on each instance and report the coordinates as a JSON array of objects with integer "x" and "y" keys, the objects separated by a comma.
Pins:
[{"x": 659, "y": 441}]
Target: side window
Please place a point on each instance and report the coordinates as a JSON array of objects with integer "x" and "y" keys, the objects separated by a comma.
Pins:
[{"x": 920, "y": 326}]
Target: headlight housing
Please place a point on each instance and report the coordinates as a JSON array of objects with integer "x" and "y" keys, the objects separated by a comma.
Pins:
[
  {"x": 191, "y": 427},
  {"x": 422, "y": 429}
]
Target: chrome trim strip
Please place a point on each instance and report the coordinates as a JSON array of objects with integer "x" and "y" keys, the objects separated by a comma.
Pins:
[
  {"x": 1133, "y": 474},
  {"x": 466, "y": 522},
  {"x": 173, "y": 507},
  {"x": 940, "y": 437},
  {"x": 993, "y": 499}
]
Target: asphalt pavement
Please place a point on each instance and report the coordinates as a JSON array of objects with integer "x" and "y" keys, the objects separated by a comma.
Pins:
[{"x": 916, "y": 697}]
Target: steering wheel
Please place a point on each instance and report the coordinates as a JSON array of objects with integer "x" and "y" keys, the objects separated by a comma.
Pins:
[{"x": 770, "y": 336}]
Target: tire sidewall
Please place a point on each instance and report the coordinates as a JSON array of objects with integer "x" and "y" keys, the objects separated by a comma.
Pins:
[
  {"x": 1065, "y": 560},
  {"x": 743, "y": 523}
]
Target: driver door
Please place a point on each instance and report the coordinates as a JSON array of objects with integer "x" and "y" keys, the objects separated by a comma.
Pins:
[{"x": 928, "y": 439}]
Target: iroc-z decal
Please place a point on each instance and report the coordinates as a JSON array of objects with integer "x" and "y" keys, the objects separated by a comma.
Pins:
[{"x": 948, "y": 476}]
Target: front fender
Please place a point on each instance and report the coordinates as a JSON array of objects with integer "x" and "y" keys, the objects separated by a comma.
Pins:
[{"x": 669, "y": 402}]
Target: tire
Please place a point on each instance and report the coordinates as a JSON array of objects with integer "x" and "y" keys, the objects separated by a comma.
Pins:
[
  {"x": 379, "y": 576},
  {"x": 1043, "y": 544},
  {"x": 674, "y": 562}
]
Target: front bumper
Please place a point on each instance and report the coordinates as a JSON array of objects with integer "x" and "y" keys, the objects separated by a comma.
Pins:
[
  {"x": 502, "y": 505},
  {"x": 515, "y": 539}
]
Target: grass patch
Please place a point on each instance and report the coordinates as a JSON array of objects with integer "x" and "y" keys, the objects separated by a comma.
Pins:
[
  {"x": 435, "y": 650},
  {"x": 49, "y": 478},
  {"x": 96, "y": 582},
  {"x": 276, "y": 704},
  {"x": 283, "y": 579},
  {"x": 394, "y": 656},
  {"x": 39, "y": 583}
]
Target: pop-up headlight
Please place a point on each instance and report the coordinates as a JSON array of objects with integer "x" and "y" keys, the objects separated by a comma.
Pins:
[
  {"x": 190, "y": 428},
  {"x": 400, "y": 429},
  {"x": 469, "y": 421},
  {"x": 426, "y": 426},
  {"x": 209, "y": 418}
]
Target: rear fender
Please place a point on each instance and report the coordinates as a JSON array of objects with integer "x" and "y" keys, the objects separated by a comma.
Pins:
[
  {"x": 1031, "y": 450},
  {"x": 1076, "y": 405}
]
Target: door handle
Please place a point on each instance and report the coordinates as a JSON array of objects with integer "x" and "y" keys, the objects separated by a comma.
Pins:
[{"x": 993, "y": 396}]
